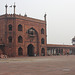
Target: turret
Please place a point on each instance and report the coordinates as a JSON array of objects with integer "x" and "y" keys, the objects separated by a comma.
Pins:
[
  {"x": 6, "y": 8},
  {"x": 14, "y": 8}
]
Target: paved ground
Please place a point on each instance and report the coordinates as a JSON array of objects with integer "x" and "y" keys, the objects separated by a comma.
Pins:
[{"x": 49, "y": 65}]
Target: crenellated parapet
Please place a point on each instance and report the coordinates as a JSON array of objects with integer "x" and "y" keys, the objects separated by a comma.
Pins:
[{"x": 21, "y": 17}]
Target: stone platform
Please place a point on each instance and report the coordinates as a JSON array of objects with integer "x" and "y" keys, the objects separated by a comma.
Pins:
[{"x": 49, "y": 65}]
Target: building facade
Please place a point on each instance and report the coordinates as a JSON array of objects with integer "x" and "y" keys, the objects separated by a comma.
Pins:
[
  {"x": 57, "y": 49},
  {"x": 25, "y": 36},
  {"x": 22, "y": 35}
]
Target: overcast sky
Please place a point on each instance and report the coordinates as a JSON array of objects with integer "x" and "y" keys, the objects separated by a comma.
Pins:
[{"x": 60, "y": 16}]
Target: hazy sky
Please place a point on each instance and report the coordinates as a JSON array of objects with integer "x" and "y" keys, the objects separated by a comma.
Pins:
[{"x": 60, "y": 16}]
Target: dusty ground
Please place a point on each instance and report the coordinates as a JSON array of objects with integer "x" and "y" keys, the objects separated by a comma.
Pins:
[{"x": 49, "y": 65}]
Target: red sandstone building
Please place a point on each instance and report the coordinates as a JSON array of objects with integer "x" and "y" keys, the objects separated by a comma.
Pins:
[
  {"x": 25, "y": 36},
  {"x": 56, "y": 49},
  {"x": 22, "y": 35}
]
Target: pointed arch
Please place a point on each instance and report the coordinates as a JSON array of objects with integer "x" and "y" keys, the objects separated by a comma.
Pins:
[
  {"x": 19, "y": 27},
  {"x": 42, "y": 31},
  {"x": 10, "y": 27},
  {"x": 20, "y": 51},
  {"x": 42, "y": 41},
  {"x": 31, "y": 31},
  {"x": 30, "y": 50},
  {"x": 20, "y": 39}
]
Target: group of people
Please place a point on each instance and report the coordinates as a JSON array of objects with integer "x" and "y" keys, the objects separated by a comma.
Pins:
[{"x": 3, "y": 56}]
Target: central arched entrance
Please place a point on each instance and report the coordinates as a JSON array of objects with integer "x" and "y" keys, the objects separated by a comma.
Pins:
[{"x": 30, "y": 50}]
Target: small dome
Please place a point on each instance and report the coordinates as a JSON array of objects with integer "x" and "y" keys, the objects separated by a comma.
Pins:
[{"x": 25, "y": 15}]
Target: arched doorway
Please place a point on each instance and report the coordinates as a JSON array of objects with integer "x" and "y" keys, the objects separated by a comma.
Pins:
[
  {"x": 30, "y": 50},
  {"x": 1, "y": 52},
  {"x": 43, "y": 52},
  {"x": 20, "y": 51}
]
